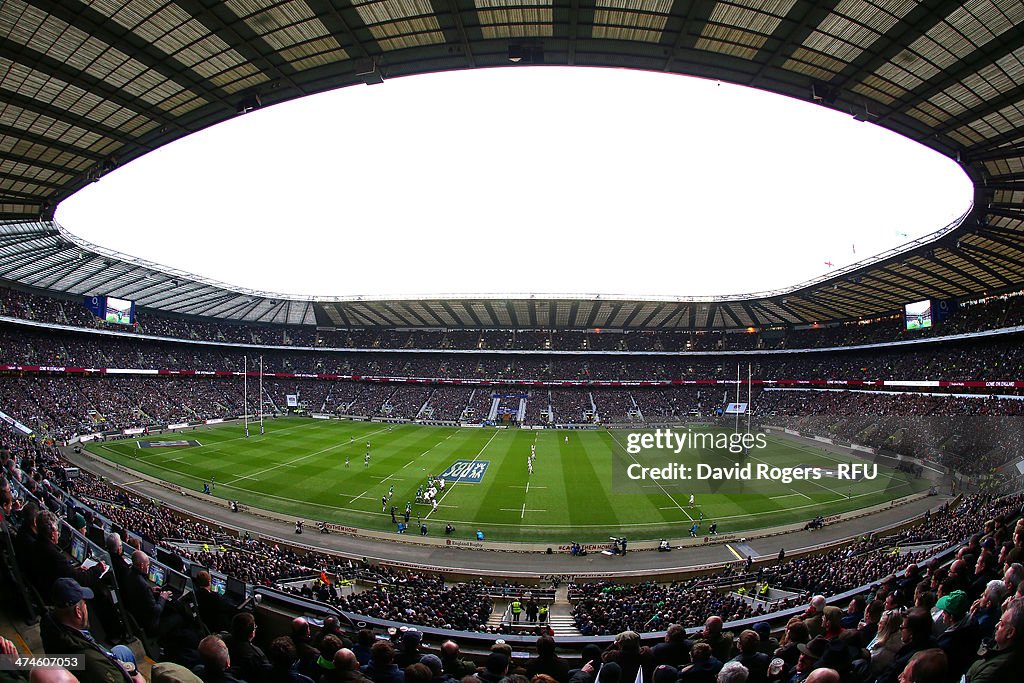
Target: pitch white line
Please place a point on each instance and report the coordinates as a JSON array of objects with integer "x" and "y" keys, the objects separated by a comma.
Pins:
[
  {"x": 335, "y": 508},
  {"x": 612, "y": 434},
  {"x": 824, "y": 454},
  {"x": 206, "y": 450},
  {"x": 457, "y": 481},
  {"x": 292, "y": 462}
]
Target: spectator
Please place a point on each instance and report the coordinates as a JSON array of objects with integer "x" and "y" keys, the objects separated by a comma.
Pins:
[
  {"x": 281, "y": 658},
  {"x": 704, "y": 667},
  {"x": 214, "y": 610},
  {"x": 927, "y": 666},
  {"x": 1004, "y": 661},
  {"x": 382, "y": 667},
  {"x": 50, "y": 563},
  {"x": 916, "y": 635},
  {"x": 547, "y": 662},
  {"x": 437, "y": 674},
  {"x": 140, "y": 599},
  {"x": 675, "y": 651},
  {"x": 721, "y": 643},
  {"x": 454, "y": 665},
  {"x": 733, "y": 672},
  {"x": 65, "y": 630},
  {"x": 346, "y": 668},
  {"x": 754, "y": 661},
  {"x": 248, "y": 660},
  {"x": 215, "y": 662},
  {"x": 887, "y": 641}
]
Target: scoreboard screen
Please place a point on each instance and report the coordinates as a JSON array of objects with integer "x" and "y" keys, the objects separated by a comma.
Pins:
[{"x": 918, "y": 315}]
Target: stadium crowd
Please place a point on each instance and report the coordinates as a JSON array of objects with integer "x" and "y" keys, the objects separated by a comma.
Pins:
[
  {"x": 968, "y": 316},
  {"x": 987, "y": 360},
  {"x": 946, "y": 612}
]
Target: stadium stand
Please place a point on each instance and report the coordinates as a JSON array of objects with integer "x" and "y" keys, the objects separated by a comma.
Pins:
[{"x": 91, "y": 85}]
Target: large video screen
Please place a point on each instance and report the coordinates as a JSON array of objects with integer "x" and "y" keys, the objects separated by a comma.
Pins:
[
  {"x": 918, "y": 315},
  {"x": 119, "y": 311}
]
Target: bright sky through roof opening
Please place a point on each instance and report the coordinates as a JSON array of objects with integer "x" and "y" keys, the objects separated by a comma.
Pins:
[{"x": 516, "y": 180}]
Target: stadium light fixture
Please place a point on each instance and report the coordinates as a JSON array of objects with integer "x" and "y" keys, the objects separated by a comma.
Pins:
[
  {"x": 526, "y": 54},
  {"x": 865, "y": 115},
  {"x": 248, "y": 103}
]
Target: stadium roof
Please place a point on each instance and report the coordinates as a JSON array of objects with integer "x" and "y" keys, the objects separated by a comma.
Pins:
[{"x": 87, "y": 85}]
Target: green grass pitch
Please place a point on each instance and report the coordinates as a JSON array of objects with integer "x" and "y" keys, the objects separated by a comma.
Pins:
[{"x": 298, "y": 467}]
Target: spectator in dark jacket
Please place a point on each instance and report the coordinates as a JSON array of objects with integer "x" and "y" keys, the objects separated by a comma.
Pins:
[
  {"x": 303, "y": 640},
  {"x": 437, "y": 674},
  {"x": 675, "y": 651},
  {"x": 282, "y": 657},
  {"x": 216, "y": 662},
  {"x": 756, "y": 662},
  {"x": 547, "y": 662},
  {"x": 346, "y": 668},
  {"x": 49, "y": 562},
  {"x": 214, "y": 610},
  {"x": 704, "y": 667},
  {"x": 247, "y": 659},
  {"x": 382, "y": 667},
  {"x": 139, "y": 598}
]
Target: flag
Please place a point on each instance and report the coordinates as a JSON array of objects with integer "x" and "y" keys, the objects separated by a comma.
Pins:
[{"x": 324, "y": 579}]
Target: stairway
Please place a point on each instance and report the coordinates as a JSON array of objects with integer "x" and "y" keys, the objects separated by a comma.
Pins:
[{"x": 560, "y": 618}]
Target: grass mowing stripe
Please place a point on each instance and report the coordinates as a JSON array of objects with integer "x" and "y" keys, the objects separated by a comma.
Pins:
[
  {"x": 292, "y": 462},
  {"x": 664, "y": 490},
  {"x": 570, "y": 481},
  {"x": 457, "y": 481}
]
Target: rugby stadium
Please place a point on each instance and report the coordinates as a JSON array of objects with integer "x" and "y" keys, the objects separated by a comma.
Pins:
[{"x": 203, "y": 481}]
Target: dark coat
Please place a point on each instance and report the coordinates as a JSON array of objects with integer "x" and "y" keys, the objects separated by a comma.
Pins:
[
  {"x": 140, "y": 601},
  {"x": 100, "y": 666},
  {"x": 555, "y": 666}
]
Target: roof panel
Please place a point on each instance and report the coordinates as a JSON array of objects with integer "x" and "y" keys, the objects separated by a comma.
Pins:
[
  {"x": 397, "y": 24},
  {"x": 953, "y": 81}
]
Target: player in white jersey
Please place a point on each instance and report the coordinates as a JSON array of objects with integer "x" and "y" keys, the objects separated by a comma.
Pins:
[
  {"x": 529, "y": 466},
  {"x": 691, "y": 500}
]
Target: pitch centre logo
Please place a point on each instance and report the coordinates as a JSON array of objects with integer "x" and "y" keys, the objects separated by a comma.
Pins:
[{"x": 469, "y": 471}]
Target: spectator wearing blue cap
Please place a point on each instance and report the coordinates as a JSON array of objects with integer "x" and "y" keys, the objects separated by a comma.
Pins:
[
  {"x": 767, "y": 644},
  {"x": 65, "y": 630}
]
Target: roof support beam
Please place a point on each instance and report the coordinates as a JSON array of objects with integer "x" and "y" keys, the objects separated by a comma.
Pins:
[
  {"x": 95, "y": 24},
  {"x": 990, "y": 53},
  {"x": 52, "y": 143},
  {"x": 244, "y": 40},
  {"x": 51, "y": 67},
  {"x": 791, "y": 32},
  {"x": 941, "y": 278},
  {"x": 992, "y": 256},
  {"x": 67, "y": 117},
  {"x": 923, "y": 18},
  {"x": 948, "y": 265},
  {"x": 5, "y": 177},
  {"x": 28, "y": 257}
]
